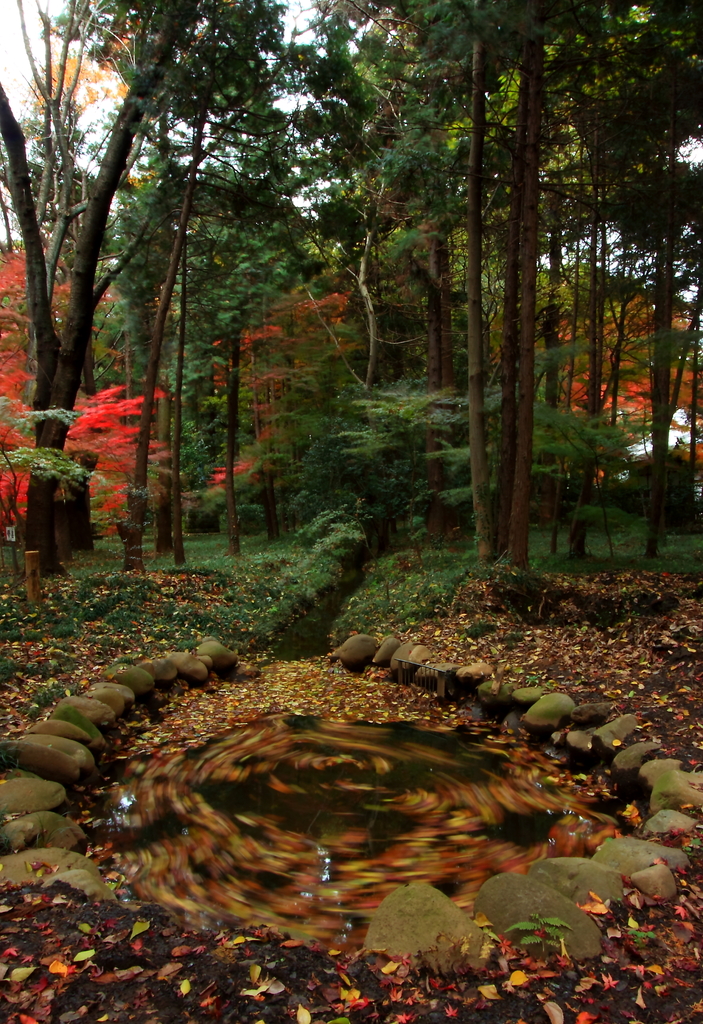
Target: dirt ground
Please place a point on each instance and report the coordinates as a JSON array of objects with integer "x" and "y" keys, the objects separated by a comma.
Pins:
[{"x": 64, "y": 959}]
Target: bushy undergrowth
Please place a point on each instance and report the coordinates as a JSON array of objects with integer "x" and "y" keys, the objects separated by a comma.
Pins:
[{"x": 402, "y": 589}]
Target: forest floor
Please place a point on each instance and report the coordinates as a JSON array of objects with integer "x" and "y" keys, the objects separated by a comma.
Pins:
[{"x": 633, "y": 639}]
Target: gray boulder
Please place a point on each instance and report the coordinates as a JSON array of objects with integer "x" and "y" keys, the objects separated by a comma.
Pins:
[
  {"x": 94, "y": 888},
  {"x": 579, "y": 743},
  {"x": 628, "y": 855},
  {"x": 668, "y": 821},
  {"x": 402, "y": 652},
  {"x": 675, "y": 790},
  {"x": 21, "y": 867},
  {"x": 418, "y": 920},
  {"x": 128, "y": 695},
  {"x": 526, "y": 696},
  {"x": 78, "y": 751},
  {"x": 495, "y": 699},
  {"x": 509, "y": 899},
  {"x": 475, "y": 673},
  {"x": 551, "y": 712},
  {"x": 46, "y": 762},
  {"x": 608, "y": 739},
  {"x": 94, "y": 710},
  {"x": 165, "y": 672},
  {"x": 223, "y": 659},
  {"x": 139, "y": 681},
  {"x": 47, "y": 829},
  {"x": 189, "y": 668},
  {"x": 22, "y": 796},
  {"x": 576, "y": 877},
  {"x": 110, "y": 696},
  {"x": 625, "y": 767},
  {"x": 54, "y": 727},
  {"x": 655, "y": 881},
  {"x": 592, "y": 714},
  {"x": 389, "y": 645},
  {"x": 651, "y": 770},
  {"x": 70, "y": 714},
  {"x": 357, "y": 652}
]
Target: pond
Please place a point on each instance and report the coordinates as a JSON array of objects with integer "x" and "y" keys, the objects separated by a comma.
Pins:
[
  {"x": 309, "y": 635},
  {"x": 305, "y": 825}
]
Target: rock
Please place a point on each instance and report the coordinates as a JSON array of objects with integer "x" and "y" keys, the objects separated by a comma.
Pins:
[
  {"x": 553, "y": 711},
  {"x": 357, "y": 652},
  {"x": 243, "y": 673},
  {"x": 28, "y": 795},
  {"x": 526, "y": 696},
  {"x": 125, "y": 692},
  {"x": 94, "y": 710},
  {"x": 108, "y": 695},
  {"x": 78, "y": 751},
  {"x": 655, "y": 881},
  {"x": 576, "y": 877},
  {"x": 46, "y": 762},
  {"x": 155, "y": 700},
  {"x": 95, "y": 889},
  {"x": 54, "y": 727},
  {"x": 668, "y": 821},
  {"x": 592, "y": 714},
  {"x": 207, "y": 661},
  {"x": 223, "y": 659},
  {"x": 165, "y": 672},
  {"x": 19, "y": 867},
  {"x": 147, "y": 666},
  {"x": 628, "y": 855},
  {"x": 511, "y": 723},
  {"x": 418, "y": 920},
  {"x": 402, "y": 652},
  {"x": 138, "y": 681},
  {"x": 496, "y": 701},
  {"x": 420, "y": 654},
  {"x": 70, "y": 714},
  {"x": 675, "y": 790},
  {"x": 625, "y": 767},
  {"x": 48, "y": 828},
  {"x": 389, "y": 645},
  {"x": 579, "y": 743},
  {"x": 188, "y": 667},
  {"x": 607, "y": 739},
  {"x": 508, "y": 899},
  {"x": 474, "y": 673},
  {"x": 650, "y": 772}
]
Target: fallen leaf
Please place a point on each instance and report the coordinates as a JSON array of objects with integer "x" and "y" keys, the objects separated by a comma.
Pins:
[
  {"x": 138, "y": 927},
  {"x": 640, "y": 999},
  {"x": 184, "y": 987},
  {"x": 168, "y": 969},
  {"x": 57, "y": 967},
  {"x": 302, "y": 1015},
  {"x": 85, "y": 928},
  {"x": 554, "y": 1012},
  {"x": 254, "y": 973},
  {"x": 482, "y": 921},
  {"x": 21, "y": 973},
  {"x": 518, "y": 978},
  {"x": 276, "y": 987},
  {"x": 83, "y": 955},
  {"x": 390, "y": 967},
  {"x": 489, "y": 992}
]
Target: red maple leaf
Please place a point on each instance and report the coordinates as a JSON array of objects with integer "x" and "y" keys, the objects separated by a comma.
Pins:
[
  {"x": 609, "y": 982},
  {"x": 681, "y": 912},
  {"x": 451, "y": 1011}
]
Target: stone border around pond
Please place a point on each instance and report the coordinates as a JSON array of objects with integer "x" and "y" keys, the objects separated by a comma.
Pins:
[{"x": 61, "y": 752}]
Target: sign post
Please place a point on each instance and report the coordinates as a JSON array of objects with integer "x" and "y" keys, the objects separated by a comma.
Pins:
[
  {"x": 11, "y": 540},
  {"x": 33, "y": 580}
]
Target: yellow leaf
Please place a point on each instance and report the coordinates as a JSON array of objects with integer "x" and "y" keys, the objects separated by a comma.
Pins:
[
  {"x": 631, "y": 923},
  {"x": 105, "y": 1016},
  {"x": 138, "y": 927},
  {"x": 482, "y": 921},
  {"x": 254, "y": 973},
  {"x": 240, "y": 938},
  {"x": 349, "y": 994},
  {"x": 518, "y": 978},
  {"x": 21, "y": 973},
  {"x": 302, "y": 1015},
  {"x": 391, "y": 966},
  {"x": 489, "y": 991},
  {"x": 640, "y": 999},
  {"x": 57, "y": 967},
  {"x": 84, "y": 955},
  {"x": 185, "y": 987},
  {"x": 85, "y": 928},
  {"x": 655, "y": 969},
  {"x": 334, "y": 952}
]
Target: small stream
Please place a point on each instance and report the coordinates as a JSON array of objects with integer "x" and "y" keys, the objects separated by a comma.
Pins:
[{"x": 308, "y": 636}]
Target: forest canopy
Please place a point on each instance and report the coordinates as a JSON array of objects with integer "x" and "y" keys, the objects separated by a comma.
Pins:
[{"x": 430, "y": 265}]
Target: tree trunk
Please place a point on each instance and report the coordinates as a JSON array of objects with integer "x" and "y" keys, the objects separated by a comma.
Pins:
[
  {"x": 133, "y": 531},
  {"x": 534, "y": 69},
  {"x": 372, "y": 325},
  {"x": 164, "y": 538},
  {"x": 480, "y": 472},
  {"x": 233, "y": 541},
  {"x": 179, "y": 555},
  {"x": 79, "y": 507},
  {"x": 435, "y": 467},
  {"x": 511, "y": 329}
]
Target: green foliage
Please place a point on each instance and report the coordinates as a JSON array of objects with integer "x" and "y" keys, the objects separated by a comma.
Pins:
[{"x": 546, "y": 930}]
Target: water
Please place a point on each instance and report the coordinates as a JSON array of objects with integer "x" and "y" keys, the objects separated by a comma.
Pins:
[
  {"x": 308, "y": 636},
  {"x": 307, "y": 825}
]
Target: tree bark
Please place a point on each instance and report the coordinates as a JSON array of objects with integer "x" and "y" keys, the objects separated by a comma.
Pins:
[
  {"x": 478, "y": 453},
  {"x": 164, "y": 537},
  {"x": 133, "y": 527},
  {"x": 435, "y": 467},
  {"x": 371, "y": 323},
  {"x": 534, "y": 69},
  {"x": 179, "y": 555},
  {"x": 511, "y": 328},
  {"x": 233, "y": 542}
]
